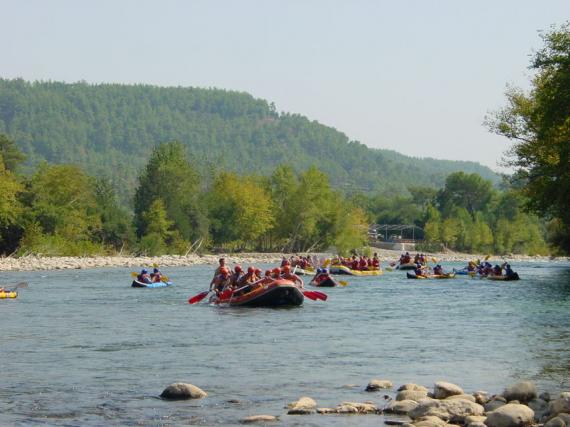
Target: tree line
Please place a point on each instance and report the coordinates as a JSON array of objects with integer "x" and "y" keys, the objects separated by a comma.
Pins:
[{"x": 61, "y": 210}]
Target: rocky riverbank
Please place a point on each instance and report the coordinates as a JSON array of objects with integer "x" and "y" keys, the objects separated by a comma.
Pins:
[
  {"x": 34, "y": 262},
  {"x": 413, "y": 405}
]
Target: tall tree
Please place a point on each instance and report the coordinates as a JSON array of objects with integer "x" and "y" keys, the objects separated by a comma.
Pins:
[
  {"x": 468, "y": 191},
  {"x": 538, "y": 122}
]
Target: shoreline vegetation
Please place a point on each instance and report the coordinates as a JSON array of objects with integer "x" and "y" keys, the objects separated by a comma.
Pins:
[{"x": 38, "y": 262}]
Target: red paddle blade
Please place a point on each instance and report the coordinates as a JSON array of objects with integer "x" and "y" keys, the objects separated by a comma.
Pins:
[
  {"x": 198, "y": 298},
  {"x": 310, "y": 295},
  {"x": 226, "y": 294},
  {"x": 321, "y": 295}
]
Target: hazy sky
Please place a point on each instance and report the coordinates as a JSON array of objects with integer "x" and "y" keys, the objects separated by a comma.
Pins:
[{"x": 414, "y": 76}]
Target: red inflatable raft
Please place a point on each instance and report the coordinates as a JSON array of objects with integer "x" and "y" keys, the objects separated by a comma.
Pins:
[{"x": 278, "y": 293}]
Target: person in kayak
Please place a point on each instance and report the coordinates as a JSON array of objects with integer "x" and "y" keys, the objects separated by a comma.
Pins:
[
  {"x": 509, "y": 271},
  {"x": 375, "y": 262},
  {"x": 237, "y": 275},
  {"x": 419, "y": 270},
  {"x": 156, "y": 275},
  {"x": 406, "y": 258},
  {"x": 144, "y": 277},
  {"x": 497, "y": 270},
  {"x": 438, "y": 270}
]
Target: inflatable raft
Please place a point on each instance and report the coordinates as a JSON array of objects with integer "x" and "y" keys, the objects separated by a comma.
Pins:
[
  {"x": 137, "y": 284},
  {"x": 408, "y": 266},
  {"x": 8, "y": 294},
  {"x": 431, "y": 276},
  {"x": 278, "y": 293},
  {"x": 341, "y": 269}
]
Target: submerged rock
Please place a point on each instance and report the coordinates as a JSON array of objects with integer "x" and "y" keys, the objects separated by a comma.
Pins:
[
  {"x": 510, "y": 415},
  {"x": 303, "y": 406},
  {"x": 361, "y": 408},
  {"x": 376, "y": 385},
  {"x": 562, "y": 404},
  {"x": 259, "y": 419},
  {"x": 540, "y": 407},
  {"x": 555, "y": 422},
  {"x": 182, "y": 391}
]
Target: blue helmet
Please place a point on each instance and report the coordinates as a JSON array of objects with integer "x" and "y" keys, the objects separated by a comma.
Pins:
[
  {"x": 155, "y": 270},
  {"x": 319, "y": 270},
  {"x": 144, "y": 271}
]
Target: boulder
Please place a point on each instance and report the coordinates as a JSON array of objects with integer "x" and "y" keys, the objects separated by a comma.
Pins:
[
  {"x": 400, "y": 407},
  {"x": 443, "y": 389},
  {"x": 545, "y": 396},
  {"x": 523, "y": 392},
  {"x": 182, "y": 391},
  {"x": 326, "y": 411},
  {"x": 259, "y": 419},
  {"x": 454, "y": 411},
  {"x": 565, "y": 418},
  {"x": 376, "y": 385},
  {"x": 493, "y": 404},
  {"x": 461, "y": 396},
  {"x": 303, "y": 406},
  {"x": 361, "y": 408},
  {"x": 562, "y": 404},
  {"x": 411, "y": 395},
  {"x": 413, "y": 387},
  {"x": 481, "y": 397},
  {"x": 475, "y": 419},
  {"x": 555, "y": 422},
  {"x": 429, "y": 421},
  {"x": 540, "y": 408},
  {"x": 510, "y": 415}
]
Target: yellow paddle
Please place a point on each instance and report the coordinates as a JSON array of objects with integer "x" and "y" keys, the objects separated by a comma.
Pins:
[{"x": 342, "y": 283}]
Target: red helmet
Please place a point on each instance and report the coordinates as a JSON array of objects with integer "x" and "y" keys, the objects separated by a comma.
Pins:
[
  {"x": 225, "y": 271},
  {"x": 268, "y": 272},
  {"x": 277, "y": 270},
  {"x": 238, "y": 269},
  {"x": 257, "y": 270},
  {"x": 250, "y": 269},
  {"x": 286, "y": 269}
]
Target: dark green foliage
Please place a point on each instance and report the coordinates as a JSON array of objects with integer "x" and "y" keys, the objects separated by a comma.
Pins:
[{"x": 110, "y": 130}]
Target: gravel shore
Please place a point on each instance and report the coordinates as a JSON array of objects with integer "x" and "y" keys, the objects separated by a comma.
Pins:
[{"x": 33, "y": 262}]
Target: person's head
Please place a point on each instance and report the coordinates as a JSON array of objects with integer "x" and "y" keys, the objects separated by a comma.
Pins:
[
  {"x": 258, "y": 271},
  {"x": 267, "y": 273},
  {"x": 250, "y": 270},
  {"x": 222, "y": 261},
  {"x": 238, "y": 269},
  {"x": 276, "y": 271},
  {"x": 155, "y": 270},
  {"x": 225, "y": 272},
  {"x": 286, "y": 269},
  {"x": 144, "y": 271}
]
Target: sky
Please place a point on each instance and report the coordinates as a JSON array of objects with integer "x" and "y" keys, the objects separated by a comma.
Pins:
[{"x": 415, "y": 76}]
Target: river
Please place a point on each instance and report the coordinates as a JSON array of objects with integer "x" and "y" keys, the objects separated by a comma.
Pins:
[{"x": 83, "y": 348}]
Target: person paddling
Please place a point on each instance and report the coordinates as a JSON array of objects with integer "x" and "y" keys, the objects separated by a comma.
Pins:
[
  {"x": 144, "y": 277},
  {"x": 156, "y": 275},
  {"x": 287, "y": 274}
]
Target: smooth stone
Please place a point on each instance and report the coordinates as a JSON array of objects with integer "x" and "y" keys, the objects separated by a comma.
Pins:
[
  {"x": 493, "y": 404},
  {"x": 413, "y": 387},
  {"x": 443, "y": 389},
  {"x": 564, "y": 417},
  {"x": 540, "y": 408},
  {"x": 475, "y": 419},
  {"x": 481, "y": 397},
  {"x": 562, "y": 404},
  {"x": 303, "y": 406},
  {"x": 400, "y": 407},
  {"x": 376, "y": 385},
  {"x": 454, "y": 411},
  {"x": 411, "y": 395},
  {"x": 346, "y": 409},
  {"x": 476, "y": 424},
  {"x": 555, "y": 422},
  {"x": 510, "y": 415},
  {"x": 182, "y": 391},
  {"x": 429, "y": 421},
  {"x": 545, "y": 396},
  {"x": 259, "y": 419},
  {"x": 462, "y": 396},
  {"x": 523, "y": 392},
  {"x": 361, "y": 408}
]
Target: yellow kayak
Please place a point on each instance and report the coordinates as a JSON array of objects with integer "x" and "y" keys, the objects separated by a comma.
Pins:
[
  {"x": 341, "y": 269},
  {"x": 8, "y": 294},
  {"x": 432, "y": 276}
]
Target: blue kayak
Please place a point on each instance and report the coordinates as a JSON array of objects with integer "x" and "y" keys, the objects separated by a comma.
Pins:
[{"x": 137, "y": 284}]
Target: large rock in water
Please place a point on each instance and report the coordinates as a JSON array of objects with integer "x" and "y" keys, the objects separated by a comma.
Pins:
[
  {"x": 523, "y": 392},
  {"x": 411, "y": 395},
  {"x": 414, "y": 387},
  {"x": 442, "y": 389},
  {"x": 560, "y": 405},
  {"x": 454, "y": 411},
  {"x": 303, "y": 406},
  {"x": 510, "y": 415},
  {"x": 182, "y": 391},
  {"x": 400, "y": 407},
  {"x": 376, "y": 385}
]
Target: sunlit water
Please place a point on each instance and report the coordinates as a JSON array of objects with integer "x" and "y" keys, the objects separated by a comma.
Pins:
[{"x": 83, "y": 348}]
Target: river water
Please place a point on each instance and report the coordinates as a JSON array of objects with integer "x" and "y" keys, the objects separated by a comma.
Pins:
[{"x": 83, "y": 348}]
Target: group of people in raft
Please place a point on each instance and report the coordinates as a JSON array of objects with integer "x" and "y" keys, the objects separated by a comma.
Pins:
[
  {"x": 361, "y": 263},
  {"x": 145, "y": 277},
  {"x": 241, "y": 282}
]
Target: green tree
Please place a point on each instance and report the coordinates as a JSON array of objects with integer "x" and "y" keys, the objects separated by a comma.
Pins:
[
  {"x": 538, "y": 122},
  {"x": 170, "y": 177},
  {"x": 468, "y": 191},
  {"x": 10, "y": 155}
]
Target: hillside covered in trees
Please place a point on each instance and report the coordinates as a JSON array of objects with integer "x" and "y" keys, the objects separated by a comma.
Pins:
[{"x": 110, "y": 131}]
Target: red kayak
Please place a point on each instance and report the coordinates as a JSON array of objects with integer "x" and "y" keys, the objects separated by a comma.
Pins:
[{"x": 278, "y": 293}]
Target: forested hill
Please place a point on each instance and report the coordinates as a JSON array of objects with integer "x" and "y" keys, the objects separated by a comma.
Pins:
[{"x": 110, "y": 130}]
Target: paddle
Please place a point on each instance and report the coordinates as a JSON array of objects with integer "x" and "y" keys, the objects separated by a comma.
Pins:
[
  {"x": 198, "y": 298},
  {"x": 318, "y": 295},
  {"x": 343, "y": 283}
]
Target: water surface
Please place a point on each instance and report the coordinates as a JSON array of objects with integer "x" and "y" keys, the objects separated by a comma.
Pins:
[{"x": 83, "y": 348}]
